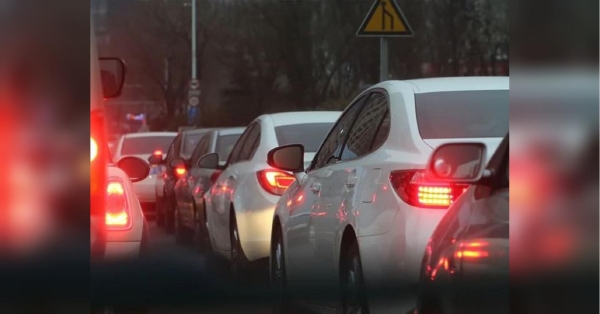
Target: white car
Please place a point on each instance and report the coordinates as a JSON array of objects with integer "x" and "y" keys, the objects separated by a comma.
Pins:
[
  {"x": 143, "y": 145},
  {"x": 362, "y": 213},
  {"x": 239, "y": 206},
  {"x": 126, "y": 227}
]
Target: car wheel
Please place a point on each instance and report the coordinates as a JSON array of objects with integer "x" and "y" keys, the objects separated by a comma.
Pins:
[
  {"x": 278, "y": 275},
  {"x": 354, "y": 299},
  {"x": 182, "y": 234},
  {"x": 201, "y": 231},
  {"x": 237, "y": 257}
]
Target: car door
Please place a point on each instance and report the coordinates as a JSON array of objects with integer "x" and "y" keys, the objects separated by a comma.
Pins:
[
  {"x": 300, "y": 264},
  {"x": 188, "y": 182},
  {"x": 217, "y": 212},
  {"x": 344, "y": 182}
]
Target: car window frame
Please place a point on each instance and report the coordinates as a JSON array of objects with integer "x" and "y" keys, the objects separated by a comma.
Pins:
[
  {"x": 352, "y": 127},
  {"x": 254, "y": 144},
  {"x": 358, "y": 101},
  {"x": 232, "y": 159},
  {"x": 201, "y": 149}
]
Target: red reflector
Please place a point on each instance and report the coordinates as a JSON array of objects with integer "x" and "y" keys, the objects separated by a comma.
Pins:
[
  {"x": 275, "y": 181},
  {"x": 117, "y": 207},
  {"x": 93, "y": 149},
  {"x": 412, "y": 188}
]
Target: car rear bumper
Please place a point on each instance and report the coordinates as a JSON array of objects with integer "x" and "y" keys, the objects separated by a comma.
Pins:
[
  {"x": 393, "y": 259},
  {"x": 255, "y": 232},
  {"x": 122, "y": 250}
]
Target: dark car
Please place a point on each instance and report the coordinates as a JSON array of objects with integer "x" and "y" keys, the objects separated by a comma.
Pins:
[
  {"x": 203, "y": 168},
  {"x": 465, "y": 267},
  {"x": 181, "y": 149}
]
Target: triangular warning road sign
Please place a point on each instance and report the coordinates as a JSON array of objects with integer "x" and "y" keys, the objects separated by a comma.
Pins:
[{"x": 385, "y": 19}]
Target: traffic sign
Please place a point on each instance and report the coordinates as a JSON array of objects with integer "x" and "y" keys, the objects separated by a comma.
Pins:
[
  {"x": 194, "y": 101},
  {"x": 194, "y": 84},
  {"x": 385, "y": 19}
]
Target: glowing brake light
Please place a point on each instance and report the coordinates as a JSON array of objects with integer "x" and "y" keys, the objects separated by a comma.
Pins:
[
  {"x": 412, "y": 188},
  {"x": 93, "y": 149},
  {"x": 180, "y": 171},
  {"x": 275, "y": 181},
  {"x": 157, "y": 153},
  {"x": 117, "y": 207}
]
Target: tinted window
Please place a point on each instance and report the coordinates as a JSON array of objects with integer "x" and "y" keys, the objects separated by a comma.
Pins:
[
  {"x": 382, "y": 132},
  {"x": 462, "y": 114},
  {"x": 332, "y": 145},
  {"x": 235, "y": 153},
  {"x": 365, "y": 128},
  {"x": 145, "y": 145},
  {"x": 251, "y": 144},
  {"x": 191, "y": 140},
  {"x": 201, "y": 149},
  {"x": 225, "y": 144},
  {"x": 310, "y": 135}
]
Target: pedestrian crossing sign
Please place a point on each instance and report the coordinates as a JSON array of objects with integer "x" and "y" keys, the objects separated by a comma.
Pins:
[{"x": 385, "y": 19}]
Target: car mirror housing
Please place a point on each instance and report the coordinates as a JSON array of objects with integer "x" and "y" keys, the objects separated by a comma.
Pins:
[
  {"x": 457, "y": 162},
  {"x": 288, "y": 158},
  {"x": 135, "y": 168}
]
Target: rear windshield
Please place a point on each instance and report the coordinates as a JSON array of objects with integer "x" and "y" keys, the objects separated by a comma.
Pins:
[
  {"x": 225, "y": 144},
  {"x": 310, "y": 135},
  {"x": 145, "y": 145},
  {"x": 462, "y": 114},
  {"x": 190, "y": 142}
]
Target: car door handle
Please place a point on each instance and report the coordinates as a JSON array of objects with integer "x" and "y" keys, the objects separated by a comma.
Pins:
[
  {"x": 316, "y": 187},
  {"x": 232, "y": 176},
  {"x": 351, "y": 181}
]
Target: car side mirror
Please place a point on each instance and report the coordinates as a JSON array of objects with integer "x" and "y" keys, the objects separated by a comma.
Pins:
[
  {"x": 209, "y": 161},
  {"x": 155, "y": 159},
  {"x": 112, "y": 74},
  {"x": 457, "y": 162},
  {"x": 287, "y": 157},
  {"x": 135, "y": 168}
]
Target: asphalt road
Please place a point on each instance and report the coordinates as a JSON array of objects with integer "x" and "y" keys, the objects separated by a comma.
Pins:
[{"x": 176, "y": 279}]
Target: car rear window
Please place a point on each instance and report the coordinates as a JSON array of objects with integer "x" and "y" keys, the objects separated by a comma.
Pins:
[
  {"x": 310, "y": 135},
  {"x": 145, "y": 145},
  {"x": 190, "y": 142},
  {"x": 225, "y": 145},
  {"x": 462, "y": 114}
]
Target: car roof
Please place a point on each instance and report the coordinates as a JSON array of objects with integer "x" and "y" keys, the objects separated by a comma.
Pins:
[
  {"x": 448, "y": 84},
  {"x": 231, "y": 131},
  {"x": 197, "y": 131},
  {"x": 300, "y": 117},
  {"x": 150, "y": 134}
]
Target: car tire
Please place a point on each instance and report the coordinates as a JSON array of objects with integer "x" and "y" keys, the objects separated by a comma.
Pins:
[
  {"x": 202, "y": 238},
  {"x": 277, "y": 273},
  {"x": 354, "y": 298},
  {"x": 182, "y": 234},
  {"x": 238, "y": 261}
]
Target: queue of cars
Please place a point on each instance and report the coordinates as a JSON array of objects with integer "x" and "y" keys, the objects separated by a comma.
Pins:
[{"x": 391, "y": 192}]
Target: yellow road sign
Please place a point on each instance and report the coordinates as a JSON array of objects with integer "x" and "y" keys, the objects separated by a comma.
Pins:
[{"x": 385, "y": 19}]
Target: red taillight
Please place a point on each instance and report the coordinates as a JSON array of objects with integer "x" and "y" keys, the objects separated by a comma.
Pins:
[
  {"x": 157, "y": 153},
  {"x": 412, "y": 188},
  {"x": 214, "y": 176},
  {"x": 93, "y": 149},
  {"x": 117, "y": 206},
  {"x": 275, "y": 181}
]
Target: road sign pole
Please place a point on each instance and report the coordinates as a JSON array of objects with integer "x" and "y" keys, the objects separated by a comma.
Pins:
[
  {"x": 194, "y": 67},
  {"x": 383, "y": 59}
]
